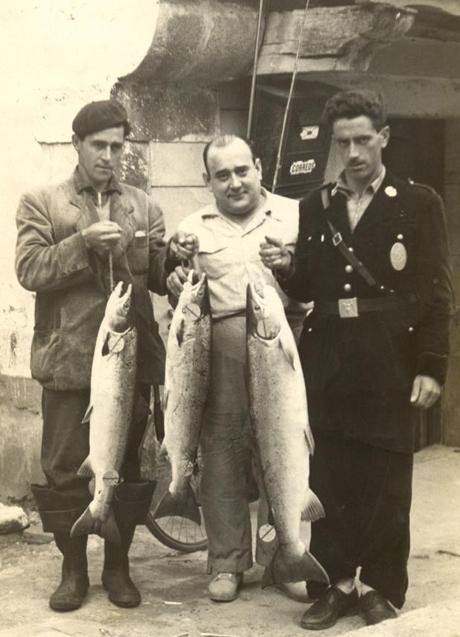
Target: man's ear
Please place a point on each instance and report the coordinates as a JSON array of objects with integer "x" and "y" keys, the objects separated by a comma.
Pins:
[
  {"x": 385, "y": 133},
  {"x": 258, "y": 165},
  {"x": 76, "y": 142},
  {"x": 207, "y": 181}
]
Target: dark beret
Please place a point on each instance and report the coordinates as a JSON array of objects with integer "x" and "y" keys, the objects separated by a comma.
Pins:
[{"x": 97, "y": 116}]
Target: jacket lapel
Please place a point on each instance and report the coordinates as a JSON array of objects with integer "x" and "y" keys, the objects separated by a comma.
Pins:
[{"x": 121, "y": 212}]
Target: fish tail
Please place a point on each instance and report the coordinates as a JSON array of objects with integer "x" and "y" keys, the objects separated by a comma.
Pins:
[
  {"x": 285, "y": 568},
  {"x": 181, "y": 504},
  {"x": 87, "y": 524},
  {"x": 312, "y": 509}
]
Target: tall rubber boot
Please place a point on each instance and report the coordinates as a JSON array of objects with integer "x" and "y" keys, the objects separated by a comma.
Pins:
[
  {"x": 74, "y": 585},
  {"x": 131, "y": 504}
]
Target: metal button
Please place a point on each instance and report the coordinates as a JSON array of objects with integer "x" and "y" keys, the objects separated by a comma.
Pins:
[
  {"x": 411, "y": 329},
  {"x": 400, "y": 237},
  {"x": 350, "y": 250},
  {"x": 347, "y": 287},
  {"x": 310, "y": 329},
  {"x": 349, "y": 268}
]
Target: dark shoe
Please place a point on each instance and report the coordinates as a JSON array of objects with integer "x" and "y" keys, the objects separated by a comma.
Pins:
[
  {"x": 74, "y": 585},
  {"x": 131, "y": 504},
  {"x": 122, "y": 590},
  {"x": 375, "y": 608},
  {"x": 325, "y": 612}
]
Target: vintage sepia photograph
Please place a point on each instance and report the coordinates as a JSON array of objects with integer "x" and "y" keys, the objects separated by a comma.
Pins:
[{"x": 229, "y": 337}]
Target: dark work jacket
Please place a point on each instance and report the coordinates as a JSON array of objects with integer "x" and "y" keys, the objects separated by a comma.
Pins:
[
  {"x": 72, "y": 282},
  {"x": 359, "y": 371}
]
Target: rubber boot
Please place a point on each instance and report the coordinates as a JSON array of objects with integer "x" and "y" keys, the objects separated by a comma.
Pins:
[
  {"x": 74, "y": 585},
  {"x": 131, "y": 504}
]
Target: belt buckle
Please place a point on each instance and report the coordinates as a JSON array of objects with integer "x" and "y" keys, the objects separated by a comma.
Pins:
[{"x": 348, "y": 308}]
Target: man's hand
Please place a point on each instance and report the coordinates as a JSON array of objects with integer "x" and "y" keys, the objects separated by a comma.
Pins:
[
  {"x": 102, "y": 237},
  {"x": 275, "y": 255},
  {"x": 177, "y": 278},
  {"x": 182, "y": 246},
  {"x": 425, "y": 391}
]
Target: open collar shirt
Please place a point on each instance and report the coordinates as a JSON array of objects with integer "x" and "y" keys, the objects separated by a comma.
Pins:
[
  {"x": 358, "y": 203},
  {"x": 229, "y": 252}
]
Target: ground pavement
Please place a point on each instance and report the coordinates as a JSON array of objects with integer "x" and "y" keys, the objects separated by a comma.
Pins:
[{"x": 173, "y": 585}]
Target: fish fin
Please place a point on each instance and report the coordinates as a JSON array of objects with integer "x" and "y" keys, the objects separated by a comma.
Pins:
[
  {"x": 183, "y": 505},
  {"x": 84, "y": 524},
  {"x": 88, "y": 412},
  {"x": 288, "y": 347},
  {"x": 86, "y": 468},
  {"x": 87, "y": 524},
  {"x": 109, "y": 529},
  {"x": 310, "y": 440},
  {"x": 312, "y": 508},
  {"x": 293, "y": 569}
]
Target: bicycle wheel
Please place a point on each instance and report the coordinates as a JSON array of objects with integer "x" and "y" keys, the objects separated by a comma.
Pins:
[{"x": 177, "y": 531}]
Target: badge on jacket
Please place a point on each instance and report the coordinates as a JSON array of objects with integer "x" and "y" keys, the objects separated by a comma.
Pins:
[{"x": 398, "y": 256}]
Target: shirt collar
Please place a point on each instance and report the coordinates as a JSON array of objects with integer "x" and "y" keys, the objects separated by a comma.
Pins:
[
  {"x": 267, "y": 209},
  {"x": 81, "y": 182},
  {"x": 342, "y": 186}
]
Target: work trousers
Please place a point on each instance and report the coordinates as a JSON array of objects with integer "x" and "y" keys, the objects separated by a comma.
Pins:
[
  {"x": 228, "y": 453},
  {"x": 65, "y": 445},
  {"x": 366, "y": 492}
]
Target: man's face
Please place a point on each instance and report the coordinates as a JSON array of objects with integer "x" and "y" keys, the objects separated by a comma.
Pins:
[
  {"x": 99, "y": 154},
  {"x": 234, "y": 178},
  {"x": 360, "y": 147}
]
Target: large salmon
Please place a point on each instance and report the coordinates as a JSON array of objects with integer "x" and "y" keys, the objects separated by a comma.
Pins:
[
  {"x": 279, "y": 418},
  {"x": 188, "y": 363},
  {"x": 113, "y": 378}
]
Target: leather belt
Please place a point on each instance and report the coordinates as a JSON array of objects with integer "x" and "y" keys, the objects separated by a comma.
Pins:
[{"x": 353, "y": 307}]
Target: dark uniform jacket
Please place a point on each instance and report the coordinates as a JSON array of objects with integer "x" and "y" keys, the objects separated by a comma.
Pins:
[
  {"x": 359, "y": 370},
  {"x": 72, "y": 282}
]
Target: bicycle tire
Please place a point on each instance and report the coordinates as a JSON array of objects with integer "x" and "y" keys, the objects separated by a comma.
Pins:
[{"x": 173, "y": 542}]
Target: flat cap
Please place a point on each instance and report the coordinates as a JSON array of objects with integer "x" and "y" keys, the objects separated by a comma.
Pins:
[{"x": 97, "y": 116}]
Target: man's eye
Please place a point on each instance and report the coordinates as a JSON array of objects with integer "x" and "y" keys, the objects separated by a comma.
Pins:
[
  {"x": 342, "y": 142},
  {"x": 242, "y": 172},
  {"x": 116, "y": 148}
]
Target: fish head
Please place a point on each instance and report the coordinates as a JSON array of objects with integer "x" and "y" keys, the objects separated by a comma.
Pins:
[
  {"x": 118, "y": 308},
  {"x": 194, "y": 298},
  {"x": 263, "y": 315}
]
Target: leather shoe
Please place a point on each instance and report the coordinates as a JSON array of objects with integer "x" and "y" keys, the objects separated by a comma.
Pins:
[
  {"x": 224, "y": 587},
  {"x": 375, "y": 608},
  {"x": 325, "y": 612}
]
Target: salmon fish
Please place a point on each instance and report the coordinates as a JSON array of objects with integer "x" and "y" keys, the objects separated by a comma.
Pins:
[
  {"x": 279, "y": 418},
  {"x": 113, "y": 377},
  {"x": 188, "y": 363}
]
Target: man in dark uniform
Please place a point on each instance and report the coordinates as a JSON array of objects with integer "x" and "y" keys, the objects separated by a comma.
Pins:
[
  {"x": 65, "y": 235},
  {"x": 372, "y": 254}
]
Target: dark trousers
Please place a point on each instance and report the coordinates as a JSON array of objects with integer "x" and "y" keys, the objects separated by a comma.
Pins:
[
  {"x": 366, "y": 492},
  {"x": 65, "y": 445}
]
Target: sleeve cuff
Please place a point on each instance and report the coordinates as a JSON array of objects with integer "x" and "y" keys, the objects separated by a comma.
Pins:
[
  {"x": 433, "y": 365},
  {"x": 73, "y": 254}
]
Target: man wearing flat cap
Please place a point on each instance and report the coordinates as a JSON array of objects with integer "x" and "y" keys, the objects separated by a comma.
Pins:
[{"x": 75, "y": 241}]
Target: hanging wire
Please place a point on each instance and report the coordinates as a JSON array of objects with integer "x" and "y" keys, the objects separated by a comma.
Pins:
[
  {"x": 289, "y": 100},
  {"x": 254, "y": 70}
]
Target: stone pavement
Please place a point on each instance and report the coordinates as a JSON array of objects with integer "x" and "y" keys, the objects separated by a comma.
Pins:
[{"x": 173, "y": 585}]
